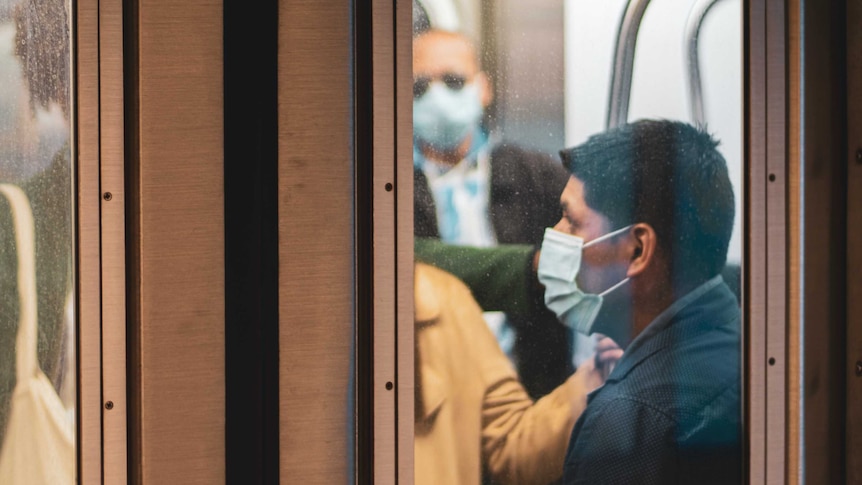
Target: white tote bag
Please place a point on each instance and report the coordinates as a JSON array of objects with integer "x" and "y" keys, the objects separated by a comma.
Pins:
[{"x": 39, "y": 446}]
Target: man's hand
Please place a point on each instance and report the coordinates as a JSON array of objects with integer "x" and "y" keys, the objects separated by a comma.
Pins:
[{"x": 607, "y": 355}]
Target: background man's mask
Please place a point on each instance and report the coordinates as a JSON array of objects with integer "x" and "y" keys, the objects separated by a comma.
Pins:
[{"x": 443, "y": 117}]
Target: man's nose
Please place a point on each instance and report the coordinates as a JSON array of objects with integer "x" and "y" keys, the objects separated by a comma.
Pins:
[{"x": 562, "y": 225}]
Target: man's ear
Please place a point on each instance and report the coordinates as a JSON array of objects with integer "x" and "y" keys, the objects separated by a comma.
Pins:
[
  {"x": 486, "y": 94},
  {"x": 643, "y": 248}
]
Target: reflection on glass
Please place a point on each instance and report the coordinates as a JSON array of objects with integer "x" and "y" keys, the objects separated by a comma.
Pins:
[
  {"x": 558, "y": 258},
  {"x": 37, "y": 317}
]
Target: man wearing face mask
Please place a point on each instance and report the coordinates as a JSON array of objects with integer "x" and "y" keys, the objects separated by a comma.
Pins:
[
  {"x": 473, "y": 190},
  {"x": 647, "y": 218}
]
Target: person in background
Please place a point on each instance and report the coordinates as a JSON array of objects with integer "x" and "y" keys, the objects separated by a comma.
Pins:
[
  {"x": 473, "y": 418},
  {"x": 473, "y": 189},
  {"x": 41, "y": 49},
  {"x": 637, "y": 255}
]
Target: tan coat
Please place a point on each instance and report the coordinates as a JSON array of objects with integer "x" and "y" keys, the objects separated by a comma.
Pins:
[{"x": 471, "y": 410}]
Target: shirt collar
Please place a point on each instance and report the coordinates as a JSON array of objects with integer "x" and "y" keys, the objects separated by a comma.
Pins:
[
  {"x": 649, "y": 340},
  {"x": 664, "y": 318}
]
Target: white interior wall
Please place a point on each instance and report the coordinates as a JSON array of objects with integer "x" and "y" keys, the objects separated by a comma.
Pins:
[{"x": 659, "y": 88}]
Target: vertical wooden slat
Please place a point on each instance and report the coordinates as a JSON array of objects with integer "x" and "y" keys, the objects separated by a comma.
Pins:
[
  {"x": 775, "y": 187},
  {"x": 86, "y": 140},
  {"x": 754, "y": 296},
  {"x": 112, "y": 180},
  {"x": 854, "y": 243},
  {"x": 180, "y": 243},
  {"x": 316, "y": 257},
  {"x": 404, "y": 234},
  {"x": 794, "y": 354},
  {"x": 823, "y": 277},
  {"x": 383, "y": 61}
]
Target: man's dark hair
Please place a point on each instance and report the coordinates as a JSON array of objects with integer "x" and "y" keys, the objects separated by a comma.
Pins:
[
  {"x": 421, "y": 22},
  {"x": 669, "y": 175}
]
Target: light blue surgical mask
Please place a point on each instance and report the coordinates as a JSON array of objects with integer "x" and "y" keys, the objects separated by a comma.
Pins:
[
  {"x": 443, "y": 117},
  {"x": 559, "y": 263}
]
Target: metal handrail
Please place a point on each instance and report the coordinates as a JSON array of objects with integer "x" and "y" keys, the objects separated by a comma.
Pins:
[
  {"x": 692, "y": 33},
  {"x": 624, "y": 58}
]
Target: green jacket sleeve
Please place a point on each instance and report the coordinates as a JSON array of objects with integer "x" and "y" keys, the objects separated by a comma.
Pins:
[{"x": 500, "y": 278}]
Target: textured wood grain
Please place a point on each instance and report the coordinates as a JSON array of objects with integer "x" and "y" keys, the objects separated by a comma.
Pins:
[
  {"x": 181, "y": 243},
  {"x": 112, "y": 180},
  {"x": 88, "y": 232},
  {"x": 776, "y": 256},
  {"x": 316, "y": 261},
  {"x": 404, "y": 233},
  {"x": 754, "y": 266},
  {"x": 854, "y": 243},
  {"x": 794, "y": 354}
]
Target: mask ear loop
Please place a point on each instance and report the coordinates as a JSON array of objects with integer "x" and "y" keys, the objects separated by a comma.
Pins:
[
  {"x": 608, "y": 236},
  {"x": 612, "y": 288},
  {"x": 605, "y": 238}
]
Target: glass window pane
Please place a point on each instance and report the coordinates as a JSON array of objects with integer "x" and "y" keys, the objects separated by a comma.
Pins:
[
  {"x": 565, "y": 252},
  {"x": 37, "y": 317}
]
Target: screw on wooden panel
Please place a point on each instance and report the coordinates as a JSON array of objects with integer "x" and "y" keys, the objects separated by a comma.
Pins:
[
  {"x": 389, "y": 386},
  {"x": 107, "y": 196},
  {"x": 772, "y": 177},
  {"x": 859, "y": 156},
  {"x": 858, "y": 368},
  {"x": 109, "y": 405},
  {"x": 389, "y": 187},
  {"x": 772, "y": 361}
]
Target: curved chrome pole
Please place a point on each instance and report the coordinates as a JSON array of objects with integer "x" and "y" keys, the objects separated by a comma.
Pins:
[
  {"x": 692, "y": 31},
  {"x": 624, "y": 58}
]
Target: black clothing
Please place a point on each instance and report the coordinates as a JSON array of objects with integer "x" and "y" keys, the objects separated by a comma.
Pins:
[{"x": 670, "y": 410}]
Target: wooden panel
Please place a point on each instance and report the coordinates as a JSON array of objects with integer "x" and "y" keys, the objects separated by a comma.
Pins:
[
  {"x": 316, "y": 291},
  {"x": 754, "y": 265},
  {"x": 404, "y": 232},
  {"x": 823, "y": 214},
  {"x": 112, "y": 180},
  {"x": 775, "y": 186},
  {"x": 383, "y": 36},
  {"x": 854, "y": 243},
  {"x": 794, "y": 228},
  {"x": 180, "y": 243},
  {"x": 89, "y": 353}
]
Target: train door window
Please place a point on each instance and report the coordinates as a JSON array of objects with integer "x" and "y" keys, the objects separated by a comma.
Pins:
[
  {"x": 37, "y": 272},
  {"x": 578, "y": 211}
]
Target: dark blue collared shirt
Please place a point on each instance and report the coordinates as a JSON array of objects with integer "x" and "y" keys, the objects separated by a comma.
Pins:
[{"x": 670, "y": 411}]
